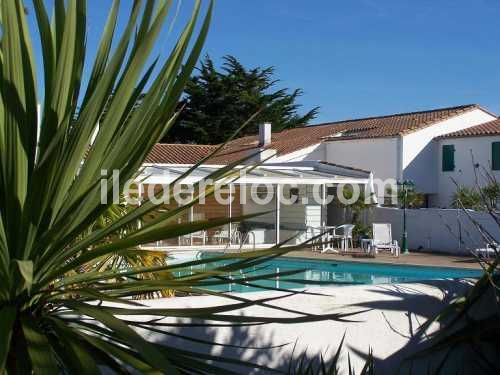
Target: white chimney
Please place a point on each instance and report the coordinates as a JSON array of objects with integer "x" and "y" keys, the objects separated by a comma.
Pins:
[{"x": 264, "y": 134}]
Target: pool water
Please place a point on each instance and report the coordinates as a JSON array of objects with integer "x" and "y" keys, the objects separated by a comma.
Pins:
[{"x": 332, "y": 273}]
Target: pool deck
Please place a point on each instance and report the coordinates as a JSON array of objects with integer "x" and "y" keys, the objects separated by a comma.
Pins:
[{"x": 413, "y": 258}]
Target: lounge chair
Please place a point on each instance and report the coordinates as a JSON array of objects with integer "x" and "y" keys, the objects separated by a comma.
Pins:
[
  {"x": 382, "y": 239},
  {"x": 486, "y": 252}
]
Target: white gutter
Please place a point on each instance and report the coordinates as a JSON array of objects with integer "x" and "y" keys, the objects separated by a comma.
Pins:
[
  {"x": 400, "y": 159},
  {"x": 191, "y": 180}
]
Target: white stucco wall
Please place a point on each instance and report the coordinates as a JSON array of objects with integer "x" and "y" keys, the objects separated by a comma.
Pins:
[
  {"x": 439, "y": 230},
  {"x": 420, "y": 154},
  {"x": 378, "y": 155},
  {"x": 480, "y": 148},
  {"x": 414, "y": 156}
]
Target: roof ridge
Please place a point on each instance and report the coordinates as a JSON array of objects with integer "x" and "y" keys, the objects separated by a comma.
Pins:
[
  {"x": 483, "y": 129},
  {"x": 290, "y": 140},
  {"x": 460, "y": 107},
  {"x": 184, "y": 144},
  {"x": 344, "y": 166}
]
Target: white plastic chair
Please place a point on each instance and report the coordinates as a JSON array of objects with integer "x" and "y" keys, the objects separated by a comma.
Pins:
[
  {"x": 223, "y": 236},
  {"x": 312, "y": 232},
  {"x": 344, "y": 234},
  {"x": 246, "y": 238},
  {"x": 382, "y": 239},
  {"x": 200, "y": 235}
]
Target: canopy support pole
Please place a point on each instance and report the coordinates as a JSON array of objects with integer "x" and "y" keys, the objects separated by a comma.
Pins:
[
  {"x": 191, "y": 218},
  {"x": 278, "y": 196},
  {"x": 140, "y": 194},
  {"x": 230, "y": 213},
  {"x": 323, "y": 205}
]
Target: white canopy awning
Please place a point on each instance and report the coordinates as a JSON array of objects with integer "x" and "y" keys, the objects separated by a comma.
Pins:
[{"x": 292, "y": 173}]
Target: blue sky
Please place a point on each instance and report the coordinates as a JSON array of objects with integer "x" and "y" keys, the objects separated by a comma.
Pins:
[{"x": 357, "y": 58}]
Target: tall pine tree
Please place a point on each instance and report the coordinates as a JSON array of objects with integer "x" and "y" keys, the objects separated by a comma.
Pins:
[{"x": 218, "y": 102}]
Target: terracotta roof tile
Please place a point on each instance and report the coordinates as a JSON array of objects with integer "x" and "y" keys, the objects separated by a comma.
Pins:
[
  {"x": 295, "y": 139},
  {"x": 163, "y": 153},
  {"x": 397, "y": 124},
  {"x": 488, "y": 128}
]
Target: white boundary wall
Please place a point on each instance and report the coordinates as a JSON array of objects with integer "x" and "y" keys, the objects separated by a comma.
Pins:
[{"x": 443, "y": 230}]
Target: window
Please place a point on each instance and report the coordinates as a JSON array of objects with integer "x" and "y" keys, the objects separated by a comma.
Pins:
[
  {"x": 495, "y": 156},
  {"x": 448, "y": 158}
]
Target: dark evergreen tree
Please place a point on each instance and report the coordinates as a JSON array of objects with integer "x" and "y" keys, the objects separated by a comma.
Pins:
[{"x": 218, "y": 102}]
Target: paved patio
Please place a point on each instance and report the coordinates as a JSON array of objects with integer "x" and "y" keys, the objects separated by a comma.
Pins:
[
  {"x": 416, "y": 258},
  {"x": 413, "y": 258}
]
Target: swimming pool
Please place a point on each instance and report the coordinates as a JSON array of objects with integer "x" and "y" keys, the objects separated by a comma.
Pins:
[{"x": 325, "y": 272}]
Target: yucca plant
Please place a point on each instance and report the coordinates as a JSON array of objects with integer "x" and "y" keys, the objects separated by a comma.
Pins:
[
  {"x": 467, "y": 341},
  {"x": 468, "y": 198},
  {"x": 321, "y": 366},
  {"x": 133, "y": 257},
  {"x": 53, "y": 317}
]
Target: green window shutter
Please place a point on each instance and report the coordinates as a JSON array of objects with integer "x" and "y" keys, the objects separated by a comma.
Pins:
[
  {"x": 495, "y": 156},
  {"x": 448, "y": 158}
]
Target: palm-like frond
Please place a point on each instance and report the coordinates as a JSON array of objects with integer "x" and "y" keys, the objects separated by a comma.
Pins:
[
  {"x": 128, "y": 258},
  {"x": 303, "y": 365},
  {"x": 50, "y": 181}
]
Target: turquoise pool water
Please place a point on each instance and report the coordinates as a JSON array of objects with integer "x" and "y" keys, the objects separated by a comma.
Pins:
[{"x": 316, "y": 273}]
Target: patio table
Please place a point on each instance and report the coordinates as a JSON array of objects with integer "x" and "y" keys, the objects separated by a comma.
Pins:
[{"x": 326, "y": 238}]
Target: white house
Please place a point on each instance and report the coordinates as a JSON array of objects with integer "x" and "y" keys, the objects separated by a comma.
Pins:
[
  {"x": 404, "y": 146},
  {"x": 467, "y": 157},
  {"x": 400, "y": 146},
  {"x": 402, "y": 151}
]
